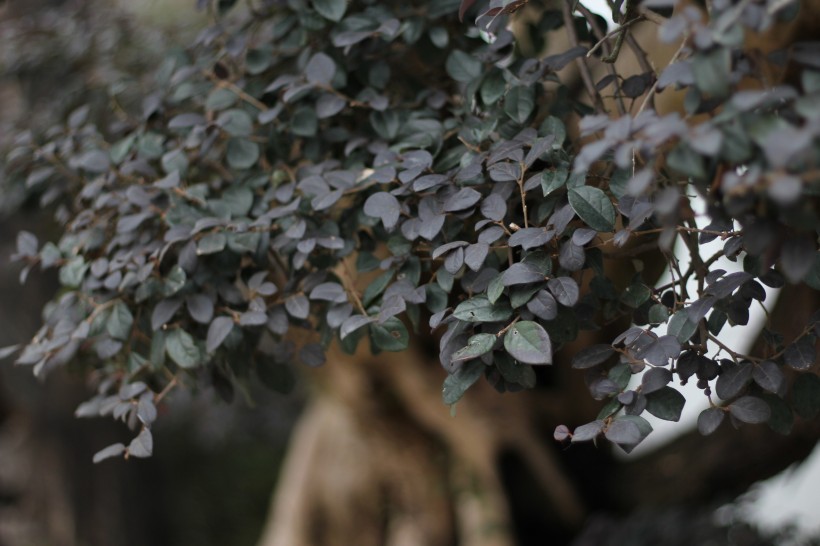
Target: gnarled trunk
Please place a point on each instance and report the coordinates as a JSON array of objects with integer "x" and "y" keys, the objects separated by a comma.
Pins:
[{"x": 378, "y": 460}]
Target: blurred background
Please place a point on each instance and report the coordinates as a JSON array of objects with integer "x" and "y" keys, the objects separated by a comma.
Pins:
[{"x": 215, "y": 465}]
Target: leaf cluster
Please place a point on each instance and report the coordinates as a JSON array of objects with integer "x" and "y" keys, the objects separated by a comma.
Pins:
[{"x": 350, "y": 172}]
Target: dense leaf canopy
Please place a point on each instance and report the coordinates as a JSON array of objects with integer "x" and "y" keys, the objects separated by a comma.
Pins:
[{"x": 350, "y": 172}]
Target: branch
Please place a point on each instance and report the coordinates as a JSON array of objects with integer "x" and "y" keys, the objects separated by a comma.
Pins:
[
  {"x": 695, "y": 469},
  {"x": 586, "y": 75}
]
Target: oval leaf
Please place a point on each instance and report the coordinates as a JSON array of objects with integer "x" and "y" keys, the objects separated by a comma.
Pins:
[{"x": 529, "y": 343}]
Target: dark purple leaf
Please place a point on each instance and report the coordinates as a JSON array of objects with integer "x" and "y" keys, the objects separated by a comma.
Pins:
[
  {"x": 461, "y": 200},
  {"x": 750, "y": 409},
  {"x": 733, "y": 379},
  {"x": 217, "y": 332},
  {"x": 565, "y": 290}
]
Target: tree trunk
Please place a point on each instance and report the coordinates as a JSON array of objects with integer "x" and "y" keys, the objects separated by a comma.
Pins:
[{"x": 378, "y": 460}]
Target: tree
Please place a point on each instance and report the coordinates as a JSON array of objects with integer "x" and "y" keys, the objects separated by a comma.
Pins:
[{"x": 329, "y": 181}]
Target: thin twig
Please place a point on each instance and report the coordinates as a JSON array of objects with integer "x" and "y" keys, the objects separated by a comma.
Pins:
[
  {"x": 599, "y": 33},
  {"x": 586, "y": 75},
  {"x": 651, "y": 94}
]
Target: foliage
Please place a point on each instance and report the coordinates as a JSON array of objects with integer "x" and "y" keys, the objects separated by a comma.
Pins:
[{"x": 332, "y": 171}]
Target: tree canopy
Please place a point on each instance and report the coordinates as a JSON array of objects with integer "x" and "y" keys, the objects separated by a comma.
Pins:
[{"x": 311, "y": 173}]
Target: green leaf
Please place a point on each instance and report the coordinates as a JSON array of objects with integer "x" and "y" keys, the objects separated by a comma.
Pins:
[
  {"x": 182, "y": 349},
  {"x": 119, "y": 322},
  {"x": 681, "y": 326},
  {"x": 457, "y": 383},
  {"x": 241, "y": 153},
  {"x": 493, "y": 87},
  {"x": 514, "y": 372},
  {"x": 479, "y": 309},
  {"x": 529, "y": 343},
  {"x": 519, "y": 103},
  {"x": 635, "y": 295},
  {"x": 73, "y": 272},
  {"x": 477, "y": 345},
  {"x": 304, "y": 122},
  {"x": 712, "y": 70},
  {"x": 392, "y": 335},
  {"x": 666, "y": 403},
  {"x": 463, "y": 67},
  {"x": 331, "y": 9},
  {"x": 593, "y": 207},
  {"x": 553, "y": 180}
]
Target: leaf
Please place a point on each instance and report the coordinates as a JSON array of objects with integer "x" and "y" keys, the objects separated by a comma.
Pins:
[
  {"x": 543, "y": 305},
  {"x": 681, "y": 326},
  {"x": 801, "y": 354},
  {"x": 528, "y": 238},
  {"x": 142, "y": 446},
  {"x": 627, "y": 431},
  {"x": 182, "y": 349},
  {"x": 655, "y": 379},
  {"x": 211, "y": 243},
  {"x": 529, "y": 343},
  {"x": 768, "y": 375},
  {"x": 666, "y": 404},
  {"x": 328, "y": 105},
  {"x": 709, "y": 420},
  {"x": 384, "y": 206},
  {"x": 565, "y": 290},
  {"x": 587, "y": 432},
  {"x": 200, "y": 307},
  {"x": 477, "y": 345},
  {"x": 463, "y": 67},
  {"x": 475, "y": 254},
  {"x": 591, "y": 356},
  {"x": 733, "y": 379},
  {"x": 571, "y": 256},
  {"x": 164, "y": 311},
  {"x": 457, "y": 383},
  {"x": 242, "y": 153},
  {"x": 120, "y": 322},
  {"x": 298, "y": 306},
  {"x": 750, "y": 409},
  {"x": 462, "y": 200},
  {"x": 593, "y": 207},
  {"x": 728, "y": 284},
  {"x": 521, "y": 273},
  {"x": 320, "y": 69},
  {"x": 353, "y": 323},
  {"x": 114, "y": 450},
  {"x": 519, "y": 103},
  {"x": 217, "y": 332},
  {"x": 711, "y": 71},
  {"x": 392, "y": 335},
  {"x": 479, "y": 309},
  {"x": 329, "y": 291},
  {"x": 331, "y": 9}
]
